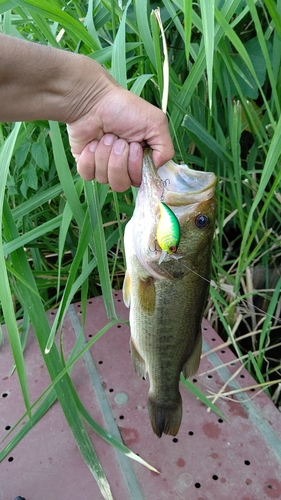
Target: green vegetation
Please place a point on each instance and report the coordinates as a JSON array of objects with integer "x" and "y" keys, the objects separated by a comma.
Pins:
[{"x": 62, "y": 238}]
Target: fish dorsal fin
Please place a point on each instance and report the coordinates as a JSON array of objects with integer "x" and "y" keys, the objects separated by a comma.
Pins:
[
  {"x": 192, "y": 364},
  {"x": 127, "y": 290}
]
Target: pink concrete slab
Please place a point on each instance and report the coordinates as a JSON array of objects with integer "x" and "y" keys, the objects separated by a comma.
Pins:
[{"x": 236, "y": 458}]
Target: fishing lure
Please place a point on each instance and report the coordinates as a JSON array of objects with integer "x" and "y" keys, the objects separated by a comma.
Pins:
[{"x": 168, "y": 230}]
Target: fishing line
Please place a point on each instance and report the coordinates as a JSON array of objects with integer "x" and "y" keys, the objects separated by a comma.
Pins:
[
  {"x": 165, "y": 183},
  {"x": 235, "y": 296},
  {"x": 221, "y": 288}
]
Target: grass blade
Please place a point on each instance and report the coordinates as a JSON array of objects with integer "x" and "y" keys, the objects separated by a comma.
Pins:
[
  {"x": 118, "y": 63},
  {"x": 208, "y": 29},
  {"x": 5, "y": 291}
]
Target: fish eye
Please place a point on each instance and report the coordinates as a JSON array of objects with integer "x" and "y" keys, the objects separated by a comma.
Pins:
[
  {"x": 201, "y": 221},
  {"x": 173, "y": 249}
]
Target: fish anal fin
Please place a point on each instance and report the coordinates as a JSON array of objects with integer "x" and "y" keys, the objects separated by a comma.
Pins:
[
  {"x": 165, "y": 416},
  {"x": 192, "y": 364},
  {"x": 127, "y": 290},
  {"x": 138, "y": 361},
  {"x": 146, "y": 295}
]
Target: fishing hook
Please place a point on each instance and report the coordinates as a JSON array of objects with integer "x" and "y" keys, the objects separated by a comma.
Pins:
[
  {"x": 155, "y": 247},
  {"x": 165, "y": 183}
]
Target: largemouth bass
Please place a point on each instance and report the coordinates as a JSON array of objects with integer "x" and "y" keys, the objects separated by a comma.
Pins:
[{"x": 168, "y": 244}]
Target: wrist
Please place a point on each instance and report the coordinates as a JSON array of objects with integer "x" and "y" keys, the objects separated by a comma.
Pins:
[{"x": 81, "y": 87}]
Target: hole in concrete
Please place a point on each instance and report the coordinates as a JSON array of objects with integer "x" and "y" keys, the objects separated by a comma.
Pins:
[
  {"x": 222, "y": 351},
  {"x": 121, "y": 417},
  {"x": 194, "y": 380},
  {"x": 197, "y": 485},
  {"x": 215, "y": 477},
  {"x": 7, "y": 428},
  {"x": 100, "y": 362},
  {"x": 90, "y": 335},
  {"x": 119, "y": 326},
  {"x": 90, "y": 302},
  {"x": 52, "y": 313},
  {"x": 220, "y": 420},
  {"x": 247, "y": 462},
  {"x": 5, "y": 394},
  {"x": 10, "y": 459},
  {"x": 214, "y": 340},
  {"x": 253, "y": 389},
  {"x": 205, "y": 328},
  {"x": 175, "y": 440},
  {"x": 209, "y": 376},
  {"x": 242, "y": 376},
  {"x": 111, "y": 390},
  {"x": 78, "y": 305},
  {"x": 191, "y": 433}
]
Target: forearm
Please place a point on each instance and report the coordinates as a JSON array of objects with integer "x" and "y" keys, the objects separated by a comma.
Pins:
[{"x": 39, "y": 82}]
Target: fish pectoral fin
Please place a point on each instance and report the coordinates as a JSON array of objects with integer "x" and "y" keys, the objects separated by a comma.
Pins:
[
  {"x": 165, "y": 416},
  {"x": 127, "y": 290},
  {"x": 192, "y": 364},
  {"x": 138, "y": 362}
]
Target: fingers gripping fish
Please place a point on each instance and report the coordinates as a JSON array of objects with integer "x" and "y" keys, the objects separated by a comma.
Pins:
[{"x": 168, "y": 247}]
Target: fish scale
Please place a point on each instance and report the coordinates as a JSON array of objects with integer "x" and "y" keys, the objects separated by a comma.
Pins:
[{"x": 167, "y": 294}]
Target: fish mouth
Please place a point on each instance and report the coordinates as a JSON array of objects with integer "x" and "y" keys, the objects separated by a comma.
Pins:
[
  {"x": 177, "y": 185},
  {"x": 184, "y": 186}
]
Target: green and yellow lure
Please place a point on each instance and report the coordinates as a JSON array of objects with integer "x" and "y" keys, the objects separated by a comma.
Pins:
[{"x": 168, "y": 230}]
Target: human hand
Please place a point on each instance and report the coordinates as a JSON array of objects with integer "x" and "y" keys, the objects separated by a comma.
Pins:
[{"x": 107, "y": 140}]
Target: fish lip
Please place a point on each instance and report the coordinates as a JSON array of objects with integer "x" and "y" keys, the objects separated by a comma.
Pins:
[{"x": 151, "y": 184}]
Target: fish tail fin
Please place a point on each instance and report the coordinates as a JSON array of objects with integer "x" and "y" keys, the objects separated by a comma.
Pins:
[
  {"x": 165, "y": 417},
  {"x": 192, "y": 364}
]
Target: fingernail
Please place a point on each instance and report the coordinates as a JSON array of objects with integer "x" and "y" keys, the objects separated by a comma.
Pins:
[
  {"x": 134, "y": 152},
  {"x": 108, "y": 139},
  {"x": 93, "y": 146},
  {"x": 119, "y": 146}
]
